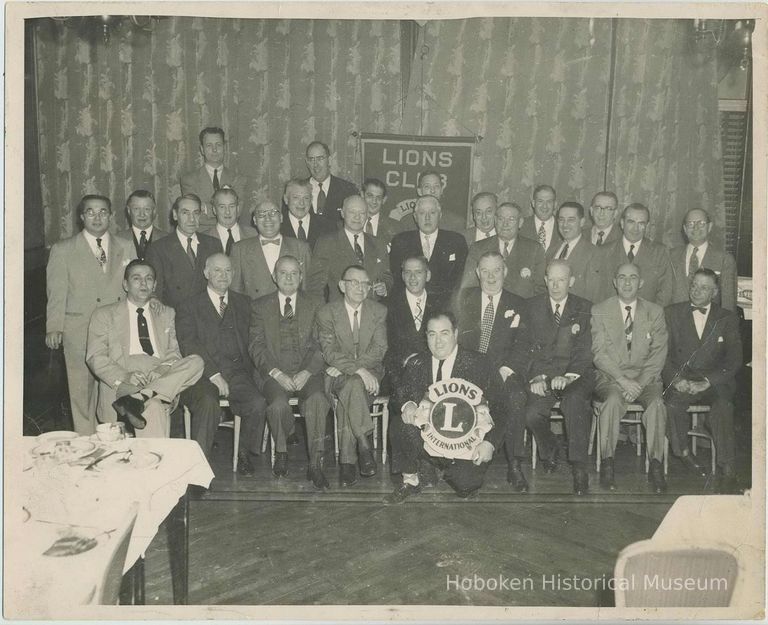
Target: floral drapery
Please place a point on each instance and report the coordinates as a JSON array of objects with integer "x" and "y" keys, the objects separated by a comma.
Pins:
[{"x": 125, "y": 114}]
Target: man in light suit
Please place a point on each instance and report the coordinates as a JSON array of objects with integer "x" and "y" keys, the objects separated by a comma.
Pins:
[
  {"x": 492, "y": 321},
  {"x": 253, "y": 260},
  {"x": 84, "y": 271},
  {"x": 212, "y": 175},
  {"x": 445, "y": 250},
  {"x": 299, "y": 222},
  {"x": 629, "y": 345},
  {"x": 285, "y": 351},
  {"x": 180, "y": 257},
  {"x": 349, "y": 245},
  {"x": 603, "y": 229},
  {"x": 328, "y": 191},
  {"x": 484, "y": 206},
  {"x": 652, "y": 259},
  {"x": 226, "y": 209},
  {"x": 214, "y": 325},
  {"x": 686, "y": 259},
  {"x": 559, "y": 327},
  {"x": 576, "y": 250},
  {"x": 704, "y": 357},
  {"x": 542, "y": 227},
  {"x": 136, "y": 358},
  {"x": 141, "y": 231},
  {"x": 353, "y": 338},
  {"x": 524, "y": 260},
  {"x": 379, "y": 225}
]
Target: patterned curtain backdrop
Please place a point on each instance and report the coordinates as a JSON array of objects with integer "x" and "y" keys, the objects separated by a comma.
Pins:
[
  {"x": 125, "y": 114},
  {"x": 536, "y": 90},
  {"x": 665, "y": 132}
]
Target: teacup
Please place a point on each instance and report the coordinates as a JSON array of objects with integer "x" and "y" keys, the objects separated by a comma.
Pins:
[{"x": 110, "y": 432}]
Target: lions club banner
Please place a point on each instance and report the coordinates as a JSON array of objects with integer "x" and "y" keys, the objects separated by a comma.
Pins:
[
  {"x": 397, "y": 160},
  {"x": 453, "y": 419}
]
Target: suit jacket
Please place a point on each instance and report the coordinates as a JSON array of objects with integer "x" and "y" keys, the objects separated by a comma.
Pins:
[
  {"x": 128, "y": 235},
  {"x": 199, "y": 182},
  {"x": 613, "y": 236},
  {"x": 334, "y": 253},
  {"x": 338, "y": 191},
  {"x": 717, "y": 355},
  {"x": 246, "y": 232},
  {"x": 586, "y": 276},
  {"x": 176, "y": 279},
  {"x": 509, "y": 345},
  {"x": 525, "y": 266},
  {"x": 470, "y": 366},
  {"x": 109, "y": 346},
  {"x": 722, "y": 263},
  {"x": 403, "y": 337},
  {"x": 567, "y": 348},
  {"x": 334, "y": 334},
  {"x": 446, "y": 262},
  {"x": 387, "y": 230},
  {"x": 76, "y": 284},
  {"x": 318, "y": 226},
  {"x": 655, "y": 270},
  {"x": 264, "y": 343},
  {"x": 251, "y": 275},
  {"x": 527, "y": 230},
  {"x": 646, "y": 359},
  {"x": 469, "y": 236},
  {"x": 198, "y": 329}
]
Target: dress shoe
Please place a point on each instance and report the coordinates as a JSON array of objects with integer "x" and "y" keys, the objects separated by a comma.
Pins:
[
  {"x": 694, "y": 465},
  {"x": 516, "y": 478},
  {"x": 427, "y": 474},
  {"x": 129, "y": 410},
  {"x": 468, "y": 494},
  {"x": 606, "y": 474},
  {"x": 292, "y": 440},
  {"x": 656, "y": 477},
  {"x": 244, "y": 465},
  {"x": 280, "y": 469},
  {"x": 316, "y": 475},
  {"x": 347, "y": 474},
  {"x": 580, "y": 481},
  {"x": 401, "y": 493},
  {"x": 367, "y": 463}
]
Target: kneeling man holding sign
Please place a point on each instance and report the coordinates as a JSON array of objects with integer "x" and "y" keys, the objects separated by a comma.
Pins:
[{"x": 445, "y": 398}]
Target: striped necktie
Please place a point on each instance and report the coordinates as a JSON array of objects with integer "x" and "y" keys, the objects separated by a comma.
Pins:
[{"x": 628, "y": 323}]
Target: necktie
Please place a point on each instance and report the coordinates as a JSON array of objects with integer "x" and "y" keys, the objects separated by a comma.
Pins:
[
  {"x": 272, "y": 241},
  {"x": 488, "y": 235},
  {"x": 102, "y": 255},
  {"x": 631, "y": 253},
  {"x": 320, "y": 201},
  {"x": 557, "y": 315},
  {"x": 142, "y": 244},
  {"x": 506, "y": 249},
  {"x": 369, "y": 228},
  {"x": 144, "y": 341},
  {"x": 288, "y": 309},
  {"x": 190, "y": 251},
  {"x": 600, "y": 236},
  {"x": 358, "y": 250},
  {"x": 302, "y": 234},
  {"x": 439, "y": 375},
  {"x": 693, "y": 263},
  {"x": 700, "y": 309},
  {"x": 564, "y": 253},
  {"x": 222, "y": 306},
  {"x": 628, "y": 327},
  {"x": 486, "y": 326},
  {"x": 215, "y": 179},
  {"x": 426, "y": 247},
  {"x": 419, "y": 315},
  {"x": 356, "y": 333},
  {"x": 230, "y": 242},
  {"x": 542, "y": 236}
]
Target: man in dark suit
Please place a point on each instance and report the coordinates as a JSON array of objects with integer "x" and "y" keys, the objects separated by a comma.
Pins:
[
  {"x": 285, "y": 351},
  {"x": 524, "y": 260},
  {"x": 629, "y": 346},
  {"x": 542, "y": 227},
  {"x": 379, "y": 225},
  {"x": 445, "y": 250},
  {"x": 226, "y": 209},
  {"x": 212, "y": 175},
  {"x": 484, "y": 206},
  {"x": 561, "y": 369},
  {"x": 141, "y": 231},
  {"x": 180, "y": 257},
  {"x": 686, "y": 259},
  {"x": 703, "y": 359},
  {"x": 650, "y": 257},
  {"x": 444, "y": 360},
  {"x": 492, "y": 322},
  {"x": 349, "y": 245},
  {"x": 576, "y": 250},
  {"x": 328, "y": 191},
  {"x": 353, "y": 337},
  {"x": 603, "y": 229},
  {"x": 214, "y": 325},
  {"x": 299, "y": 221},
  {"x": 253, "y": 260}
]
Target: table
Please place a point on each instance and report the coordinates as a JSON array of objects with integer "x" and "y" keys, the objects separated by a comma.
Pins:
[{"x": 70, "y": 495}]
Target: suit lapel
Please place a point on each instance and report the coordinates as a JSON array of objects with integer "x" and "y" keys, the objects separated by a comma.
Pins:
[
  {"x": 123, "y": 327},
  {"x": 86, "y": 254},
  {"x": 273, "y": 322},
  {"x": 366, "y": 325},
  {"x": 342, "y": 323}
]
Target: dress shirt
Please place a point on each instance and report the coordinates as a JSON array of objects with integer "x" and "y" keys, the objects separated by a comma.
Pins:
[
  {"x": 374, "y": 219},
  {"x": 216, "y": 298},
  {"x": 351, "y": 314},
  {"x": 93, "y": 245},
  {"x": 360, "y": 239},
  {"x": 224, "y": 235},
  {"x": 147, "y": 232},
  {"x": 304, "y": 222},
  {"x": 552, "y": 304},
  {"x": 431, "y": 238},
  {"x": 549, "y": 229},
  {"x": 511, "y": 244},
  {"x": 183, "y": 240},
  {"x": 702, "y": 249},
  {"x": 700, "y": 320},
  {"x": 135, "y": 346},
  {"x": 413, "y": 300},
  {"x": 570, "y": 244},
  {"x": 605, "y": 231},
  {"x": 271, "y": 252},
  {"x": 447, "y": 370},
  {"x": 281, "y": 301},
  {"x": 316, "y": 191},
  {"x": 210, "y": 169},
  {"x": 623, "y": 309},
  {"x": 480, "y": 235},
  {"x": 627, "y": 244}
]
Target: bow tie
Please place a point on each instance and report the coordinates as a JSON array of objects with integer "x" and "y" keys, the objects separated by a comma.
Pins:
[
  {"x": 273, "y": 241},
  {"x": 703, "y": 311}
]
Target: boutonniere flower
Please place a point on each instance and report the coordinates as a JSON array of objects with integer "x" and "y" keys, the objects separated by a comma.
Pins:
[
  {"x": 575, "y": 328},
  {"x": 648, "y": 336},
  {"x": 452, "y": 257},
  {"x": 378, "y": 260},
  {"x": 525, "y": 272},
  {"x": 508, "y": 314}
]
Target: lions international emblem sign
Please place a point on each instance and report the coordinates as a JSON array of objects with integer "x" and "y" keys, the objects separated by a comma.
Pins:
[{"x": 453, "y": 419}]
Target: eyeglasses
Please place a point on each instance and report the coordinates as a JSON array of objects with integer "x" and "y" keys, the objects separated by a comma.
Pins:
[
  {"x": 604, "y": 209},
  {"x": 316, "y": 159},
  {"x": 364, "y": 284},
  {"x": 696, "y": 224},
  {"x": 374, "y": 198},
  {"x": 99, "y": 213},
  {"x": 266, "y": 214}
]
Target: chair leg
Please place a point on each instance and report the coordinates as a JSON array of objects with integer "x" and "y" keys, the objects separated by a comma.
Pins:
[
  {"x": 236, "y": 443},
  {"x": 598, "y": 458},
  {"x": 272, "y": 450},
  {"x": 336, "y": 449},
  {"x": 187, "y": 424},
  {"x": 639, "y": 441},
  {"x": 666, "y": 456},
  {"x": 713, "y": 455},
  {"x": 534, "y": 451},
  {"x": 375, "y": 433},
  {"x": 384, "y": 433},
  {"x": 694, "y": 424},
  {"x": 266, "y": 437}
]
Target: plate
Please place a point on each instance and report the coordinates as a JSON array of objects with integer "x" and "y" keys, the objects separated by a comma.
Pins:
[
  {"x": 62, "y": 451},
  {"x": 58, "y": 435},
  {"x": 128, "y": 461}
]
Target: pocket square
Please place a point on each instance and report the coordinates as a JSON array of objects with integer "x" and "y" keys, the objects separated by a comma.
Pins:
[
  {"x": 719, "y": 339},
  {"x": 648, "y": 336},
  {"x": 515, "y": 322},
  {"x": 452, "y": 257}
]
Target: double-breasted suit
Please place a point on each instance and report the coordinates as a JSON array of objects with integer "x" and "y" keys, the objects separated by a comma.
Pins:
[
  {"x": 525, "y": 265},
  {"x": 199, "y": 182},
  {"x": 722, "y": 263},
  {"x": 250, "y": 272},
  {"x": 528, "y": 230},
  {"x": 129, "y": 235}
]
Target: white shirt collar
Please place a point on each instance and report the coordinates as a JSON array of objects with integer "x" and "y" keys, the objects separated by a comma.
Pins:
[
  {"x": 562, "y": 305},
  {"x": 374, "y": 219},
  {"x": 183, "y": 238},
  {"x": 480, "y": 235},
  {"x": 412, "y": 299},
  {"x": 316, "y": 185},
  {"x": 431, "y": 237},
  {"x": 570, "y": 244},
  {"x": 484, "y": 301},
  {"x": 360, "y": 238},
  {"x": 278, "y": 238},
  {"x": 351, "y": 313},
  {"x": 216, "y": 298},
  {"x": 210, "y": 169},
  {"x": 304, "y": 221},
  {"x": 224, "y": 235},
  {"x": 447, "y": 370},
  {"x": 605, "y": 230},
  {"x": 133, "y": 307},
  {"x": 147, "y": 231},
  {"x": 511, "y": 244},
  {"x": 623, "y": 308},
  {"x": 702, "y": 249},
  {"x": 281, "y": 300},
  {"x": 92, "y": 239},
  {"x": 627, "y": 244}
]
